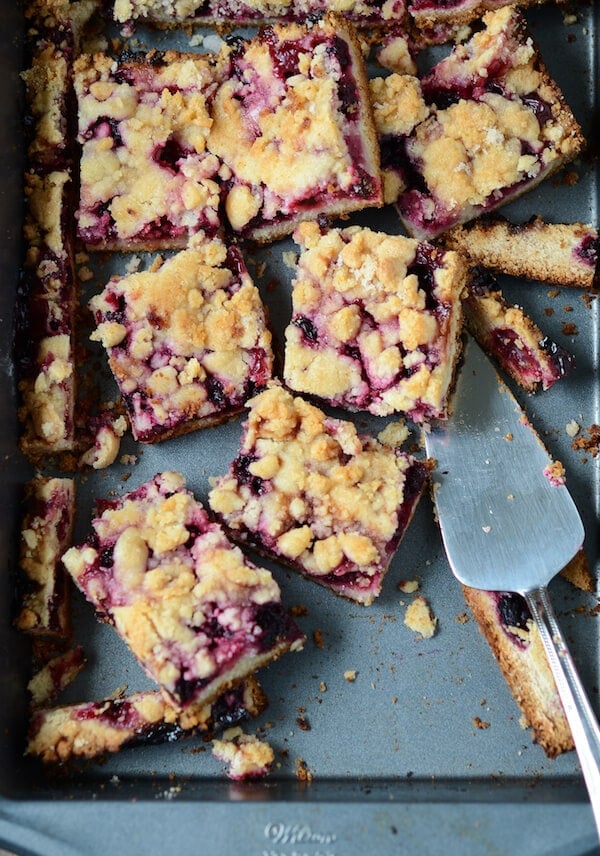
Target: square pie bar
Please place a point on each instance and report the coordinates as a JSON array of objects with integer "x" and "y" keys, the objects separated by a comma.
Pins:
[
  {"x": 376, "y": 321},
  {"x": 187, "y": 340},
  {"x": 484, "y": 125},
  {"x": 147, "y": 180},
  {"x": 307, "y": 490},
  {"x": 292, "y": 123},
  {"x": 197, "y": 615}
]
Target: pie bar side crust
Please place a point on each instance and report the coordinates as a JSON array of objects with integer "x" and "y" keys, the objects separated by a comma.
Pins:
[
  {"x": 376, "y": 321},
  {"x": 91, "y": 729},
  {"x": 497, "y": 125},
  {"x": 147, "y": 180},
  {"x": 506, "y": 623},
  {"x": 292, "y": 123},
  {"x": 187, "y": 342},
  {"x": 557, "y": 253},
  {"x": 197, "y": 615},
  {"x": 307, "y": 490}
]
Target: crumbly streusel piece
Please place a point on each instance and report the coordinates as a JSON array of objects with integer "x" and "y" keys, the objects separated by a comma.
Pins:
[
  {"x": 45, "y": 535},
  {"x": 557, "y": 253},
  {"x": 511, "y": 337},
  {"x": 485, "y": 124},
  {"x": 90, "y": 729},
  {"x": 54, "y": 676},
  {"x": 293, "y": 126},
  {"x": 187, "y": 342},
  {"x": 431, "y": 14},
  {"x": 47, "y": 87},
  {"x": 376, "y": 321},
  {"x": 197, "y": 615},
  {"x": 505, "y": 621},
  {"x": 307, "y": 490},
  {"x": 247, "y": 757},
  {"x": 172, "y": 13},
  {"x": 147, "y": 180}
]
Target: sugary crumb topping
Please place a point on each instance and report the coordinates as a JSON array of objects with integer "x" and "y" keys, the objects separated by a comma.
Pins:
[
  {"x": 419, "y": 617},
  {"x": 313, "y": 491},
  {"x": 246, "y": 756},
  {"x": 186, "y": 340},
  {"x": 185, "y": 600},
  {"x": 376, "y": 319},
  {"x": 146, "y": 176}
]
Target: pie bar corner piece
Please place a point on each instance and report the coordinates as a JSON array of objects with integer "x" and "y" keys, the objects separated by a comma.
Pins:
[
  {"x": 487, "y": 123},
  {"x": 505, "y": 622},
  {"x": 46, "y": 533},
  {"x": 147, "y": 180},
  {"x": 432, "y": 15},
  {"x": 197, "y": 615},
  {"x": 293, "y": 126},
  {"x": 511, "y": 337},
  {"x": 308, "y": 490},
  {"x": 94, "y": 728},
  {"x": 563, "y": 254},
  {"x": 187, "y": 341},
  {"x": 376, "y": 321}
]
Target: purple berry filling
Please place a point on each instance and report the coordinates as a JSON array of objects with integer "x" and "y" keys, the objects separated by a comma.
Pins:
[
  {"x": 513, "y": 611},
  {"x": 587, "y": 250}
]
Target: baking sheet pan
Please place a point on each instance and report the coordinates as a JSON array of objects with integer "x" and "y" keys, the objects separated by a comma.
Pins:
[{"x": 395, "y": 757}]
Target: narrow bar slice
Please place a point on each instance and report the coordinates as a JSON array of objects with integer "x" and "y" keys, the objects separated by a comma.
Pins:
[
  {"x": 496, "y": 125},
  {"x": 90, "y": 729},
  {"x": 147, "y": 181},
  {"x": 187, "y": 341},
  {"x": 194, "y": 612},
  {"x": 505, "y": 621},
  {"x": 511, "y": 337},
  {"x": 55, "y": 676},
  {"x": 376, "y": 321},
  {"x": 307, "y": 490},
  {"x": 293, "y": 126},
  {"x": 171, "y": 13},
  {"x": 557, "y": 253},
  {"x": 45, "y": 535}
]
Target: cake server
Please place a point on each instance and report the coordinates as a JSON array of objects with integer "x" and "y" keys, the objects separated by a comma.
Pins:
[{"x": 508, "y": 523}]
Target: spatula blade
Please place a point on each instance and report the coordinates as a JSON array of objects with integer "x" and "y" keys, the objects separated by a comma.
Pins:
[{"x": 506, "y": 521}]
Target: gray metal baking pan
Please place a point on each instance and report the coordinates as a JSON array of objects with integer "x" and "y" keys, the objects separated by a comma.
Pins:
[{"x": 397, "y": 764}]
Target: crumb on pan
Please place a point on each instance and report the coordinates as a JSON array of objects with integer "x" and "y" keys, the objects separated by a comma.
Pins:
[{"x": 419, "y": 617}]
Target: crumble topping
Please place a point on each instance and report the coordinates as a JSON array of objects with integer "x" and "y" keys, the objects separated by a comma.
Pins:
[
  {"x": 376, "y": 320},
  {"x": 187, "y": 340},
  {"x": 419, "y": 617},
  {"x": 146, "y": 176},
  {"x": 194, "y": 612},
  {"x": 246, "y": 756},
  {"x": 309, "y": 490}
]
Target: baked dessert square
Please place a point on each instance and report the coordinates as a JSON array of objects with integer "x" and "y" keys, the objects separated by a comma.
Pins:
[
  {"x": 433, "y": 15},
  {"x": 505, "y": 622},
  {"x": 170, "y": 13},
  {"x": 46, "y": 533},
  {"x": 91, "y": 729},
  {"x": 557, "y": 253},
  {"x": 187, "y": 340},
  {"x": 197, "y": 615},
  {"x": 511, "y": 337},
  {"x": 488, "y": 123},
  {"x": 376, "y": 321},
  {"x": 292, "y": 124},
  {"x": 147, "y": 180},
  {"x": 308, "y": 490}
]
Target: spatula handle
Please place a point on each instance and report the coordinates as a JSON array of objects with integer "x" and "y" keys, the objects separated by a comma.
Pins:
[{"x": 578, "y": 710}]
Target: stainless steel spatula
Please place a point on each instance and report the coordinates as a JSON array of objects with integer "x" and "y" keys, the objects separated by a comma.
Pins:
[{"x": 508, "y": 524}]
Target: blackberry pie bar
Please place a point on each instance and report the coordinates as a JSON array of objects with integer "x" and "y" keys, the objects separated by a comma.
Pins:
[
  {"x": 376, "y": 321},
  {"x": 308, "y": 490},
  {"x": 197, "y": 615},
  {"x": 293, "y": 126},
  {"x": 187, "y": 340},
  {"x": 147, "y": 180},
  {"x": 485, "y": 124}
]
